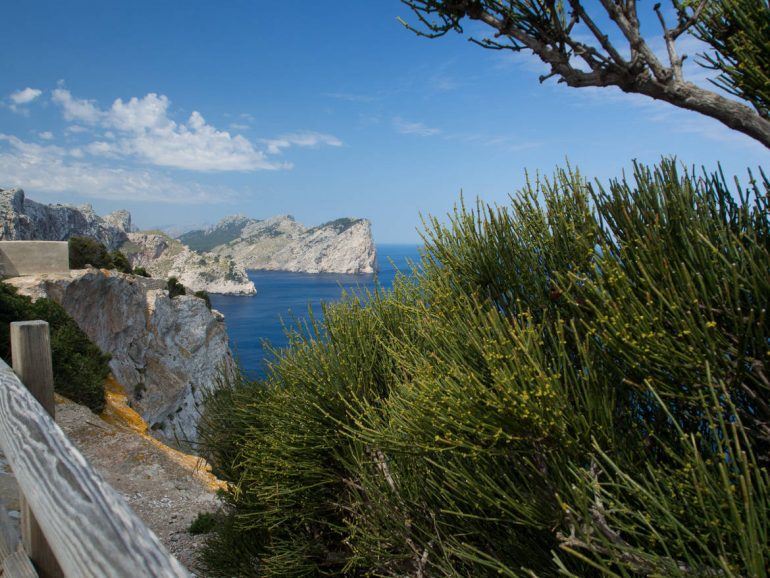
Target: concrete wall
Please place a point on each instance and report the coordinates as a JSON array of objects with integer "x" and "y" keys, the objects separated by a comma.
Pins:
[{"x": 32, "y": 257}]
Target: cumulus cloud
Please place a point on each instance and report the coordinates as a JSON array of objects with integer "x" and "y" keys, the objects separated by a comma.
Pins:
[
  {"x": 75, "y": 109},
  {"x": 25, "y": 96},
  {"x": 110, "y": 152},
  {"x": 18, "y": 100},
  {"x": 144, "y": 130},
  {"x": 55, "y": 169},
  {"x": 415, "y": 128}
]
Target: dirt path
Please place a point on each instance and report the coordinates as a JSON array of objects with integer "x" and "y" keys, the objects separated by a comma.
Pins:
[{"x": 166, "y": 488}]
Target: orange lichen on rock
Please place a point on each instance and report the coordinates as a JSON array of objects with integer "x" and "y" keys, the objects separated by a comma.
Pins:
[
  {"x": 118, "y": 412},
  {"x": 116, "y": 409}
]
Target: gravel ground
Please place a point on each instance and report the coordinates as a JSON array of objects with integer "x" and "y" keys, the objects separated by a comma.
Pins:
[{"x": 163, "y": 486}]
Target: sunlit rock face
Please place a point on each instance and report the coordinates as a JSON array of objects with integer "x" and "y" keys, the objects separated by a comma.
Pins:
[
  {"x": 282, "y": 244},
  {"x": 165, "y": 257},
  {"x": 166, "y": 352},
  {"x": 24, "y": 220}
]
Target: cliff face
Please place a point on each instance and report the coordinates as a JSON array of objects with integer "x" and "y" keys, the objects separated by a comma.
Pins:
[
  {"x": 25, "y": 220},
  {"x": 166, "y": 352},
  {"x": 282, "y": 244},
  {"x": 164, "y": 257}
]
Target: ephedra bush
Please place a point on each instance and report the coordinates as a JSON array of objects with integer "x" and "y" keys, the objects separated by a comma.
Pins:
[{"x": 574, "y": 384}]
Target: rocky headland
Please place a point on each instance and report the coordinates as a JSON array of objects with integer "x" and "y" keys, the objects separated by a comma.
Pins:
[
  {"x": 163, "y": 257},
  {"x": 282, "y": 244}
]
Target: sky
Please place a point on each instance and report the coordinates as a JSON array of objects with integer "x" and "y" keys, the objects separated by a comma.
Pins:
[{"x": 185, "y": 112}]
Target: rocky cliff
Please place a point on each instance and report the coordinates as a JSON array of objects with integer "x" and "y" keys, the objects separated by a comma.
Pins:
[
  {"x": 281, "y": 243},
  {"x": 24, "y": 220},
  {"x": 164, "y": 257},
  {"x": 166, "y": 352}
]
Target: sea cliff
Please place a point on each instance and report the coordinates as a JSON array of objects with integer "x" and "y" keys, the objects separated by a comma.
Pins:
[
  {"x": 166, "y": 352},
  {"x": 282, "y": 244}
]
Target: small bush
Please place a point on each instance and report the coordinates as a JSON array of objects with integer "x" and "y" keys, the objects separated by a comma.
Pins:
[
  {"x": 120, "y": 262},
  {"x": 203, "y": 523},
  {"x": 205, "y": 296},
  {"x": 79, "y": 366},
  {"x": 175, "y": 288},
  {"x": 141, "y": 272},
  {"x": 84, "y": 251}
]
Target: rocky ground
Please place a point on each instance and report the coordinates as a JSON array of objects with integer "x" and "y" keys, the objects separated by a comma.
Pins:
[{"x": 166, "y": 488}]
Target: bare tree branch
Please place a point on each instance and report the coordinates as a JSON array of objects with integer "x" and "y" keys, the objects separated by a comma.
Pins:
[{"x": 550, "y": 31}]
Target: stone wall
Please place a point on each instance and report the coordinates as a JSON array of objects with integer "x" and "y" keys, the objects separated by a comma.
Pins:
[{"x": 33, "y": 257}]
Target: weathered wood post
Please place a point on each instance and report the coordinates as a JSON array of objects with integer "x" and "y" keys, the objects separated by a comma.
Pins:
[{"x": 31, "y": 356}]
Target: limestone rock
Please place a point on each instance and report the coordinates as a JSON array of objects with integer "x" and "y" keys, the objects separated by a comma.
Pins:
[
  {"x": 120, "y": 219},
  {"x": 24, "y": 220},
  {"x": 282, "y": 244},
  {"x": 165, "y": 257},
  {"x": 166, "y": 352}
]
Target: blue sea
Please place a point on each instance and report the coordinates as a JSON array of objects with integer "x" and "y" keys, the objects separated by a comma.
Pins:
[{"x": 285, "y": 297}]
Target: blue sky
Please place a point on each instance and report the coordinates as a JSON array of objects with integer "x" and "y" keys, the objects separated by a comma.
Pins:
[{"x": 184, "y": 112}]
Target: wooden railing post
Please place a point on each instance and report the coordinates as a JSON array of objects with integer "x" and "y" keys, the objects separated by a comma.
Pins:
[{"x": 31, "y": 355}]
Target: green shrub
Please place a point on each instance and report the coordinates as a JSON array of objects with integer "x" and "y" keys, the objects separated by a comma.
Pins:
[
  {"x": 203, "y": 523},
  {"x": 571, "y": 385},
  {"x": 141, "y": 271},
  {"x": 85, "y": 251},
  {"x": 121, "y": 262},
  {"x": 175, "y": 288},
  {"x": 205, "y": 296},
  {"x": 79, "y": 367}
]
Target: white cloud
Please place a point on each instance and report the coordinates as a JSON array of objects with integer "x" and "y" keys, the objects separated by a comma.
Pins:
[
  {"x": 50, "y": 168},
  {"x": 145, "y": 130},
  {"x": 25, "y": 96},
  {"x": 75, "y": 129},
  {"x": 238, "y": 126},
  {"x": 18, "y": 100},
  {"x": 306, "y": 139},
  {"x": 45, "y": 135},
  {"x": 75, "y": 109},
  {"x": 416, "y": 128}
]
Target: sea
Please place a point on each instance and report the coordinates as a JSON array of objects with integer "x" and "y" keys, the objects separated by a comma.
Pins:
[{"x": 284, "y": 299}]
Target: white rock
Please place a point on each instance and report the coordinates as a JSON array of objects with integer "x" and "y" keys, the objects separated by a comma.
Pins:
[
  {"x": 282, "y": 244},
  {"x": 166, "y": 352},
  {"x": 24, "y": 220},
  {"x": 165, "y": 257}
]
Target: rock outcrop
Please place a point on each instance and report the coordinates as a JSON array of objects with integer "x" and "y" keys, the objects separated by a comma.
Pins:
[
  {"x": 24, "y": 220},
  {"x": 166, "y": 352},
  {"x": 283, "y": 244},
  {"x": 165, "y": 257},
  {"x": 120, "y": 219}
]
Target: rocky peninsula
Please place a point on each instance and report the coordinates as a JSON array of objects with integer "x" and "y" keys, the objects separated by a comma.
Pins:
[
  {"x": 163, "y": 257},
  {"x": 282, "y": 244}
]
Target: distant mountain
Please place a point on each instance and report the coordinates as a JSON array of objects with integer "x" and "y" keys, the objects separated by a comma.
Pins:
[
  {"x": 228, "y": 229},
  {"x": 281, "y": 243}
]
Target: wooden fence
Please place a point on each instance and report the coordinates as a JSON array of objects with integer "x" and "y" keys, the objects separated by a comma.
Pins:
[{"x": 73, "y": 523}]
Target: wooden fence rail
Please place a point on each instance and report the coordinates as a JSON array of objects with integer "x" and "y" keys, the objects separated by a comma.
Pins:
[{"x": 91, "y": 531}]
